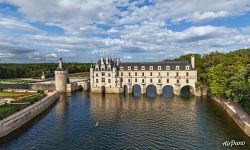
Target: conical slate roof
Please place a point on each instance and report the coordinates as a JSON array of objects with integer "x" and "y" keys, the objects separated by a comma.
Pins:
[{"x": 61, "y": 66}]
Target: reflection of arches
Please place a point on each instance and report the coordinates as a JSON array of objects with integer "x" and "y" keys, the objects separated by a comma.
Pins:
[
  {"x": 125, "y": 88},
  {"x": 151, "y": 90},
  {"x": 103, "y": 89},
  {"x": 187, "y": 90},
  {"x": 168, "y": 91},
  {"x": 136, "y": 89}
]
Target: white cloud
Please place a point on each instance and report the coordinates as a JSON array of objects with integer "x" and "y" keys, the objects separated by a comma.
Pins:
[
  {"x": 102, "y": 28},
  {"x": 17, "y": 25}
]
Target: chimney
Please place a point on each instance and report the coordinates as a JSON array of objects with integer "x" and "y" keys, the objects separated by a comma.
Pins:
[
  {"x": 102, "y": 62},
  {"x": 117, "y": 61},
  {"x": 192, "y": 61},
  {"x": 107, "y": 60}
]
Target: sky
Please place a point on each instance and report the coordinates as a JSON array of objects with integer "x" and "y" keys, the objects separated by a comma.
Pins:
[{"x": 133, "y": 30}]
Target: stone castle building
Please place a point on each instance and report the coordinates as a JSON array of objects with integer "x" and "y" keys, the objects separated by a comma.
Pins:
[
  {"x": 112, "y": 76},
  {"x": 62, "y": 83}
]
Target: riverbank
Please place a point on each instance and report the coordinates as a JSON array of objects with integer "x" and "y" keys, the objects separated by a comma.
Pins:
[
  {"x": 236, "y": 112},
  {"x": 18, "y": 119}
]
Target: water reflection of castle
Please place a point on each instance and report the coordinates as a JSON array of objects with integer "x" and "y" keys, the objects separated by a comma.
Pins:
[{"x": 109, "y": 106}]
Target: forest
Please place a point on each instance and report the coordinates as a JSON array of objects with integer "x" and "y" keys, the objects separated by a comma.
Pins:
[
  {"x": 10, "y": 71},
  {"x": 225, "y": 74}
]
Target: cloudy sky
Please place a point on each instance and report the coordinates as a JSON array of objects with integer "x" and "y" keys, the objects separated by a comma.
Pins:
[{"x": 134, "y": 30}]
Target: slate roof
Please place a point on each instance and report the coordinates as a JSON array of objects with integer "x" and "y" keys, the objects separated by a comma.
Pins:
[
  {"x": 182, "y": 65},
  {"x": 63, "y": 66}
]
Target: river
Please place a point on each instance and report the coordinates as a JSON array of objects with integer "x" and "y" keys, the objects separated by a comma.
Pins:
[{"x": 128, "y": 122}]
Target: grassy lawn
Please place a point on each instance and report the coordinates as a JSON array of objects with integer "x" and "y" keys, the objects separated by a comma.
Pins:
[
  {"x": 8, "y": 109},
  {"x": 30, "y": 98},
  {"x": 15, "y": 81},
  {"x": 14, "y": 95}
]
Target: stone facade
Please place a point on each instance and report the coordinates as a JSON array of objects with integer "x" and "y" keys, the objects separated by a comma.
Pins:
[
  {"x": 61, "y": 77},
  {"x": 111, "y": 76}
]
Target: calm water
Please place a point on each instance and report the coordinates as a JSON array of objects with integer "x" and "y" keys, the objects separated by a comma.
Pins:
[{"x": 127, "y": 122}]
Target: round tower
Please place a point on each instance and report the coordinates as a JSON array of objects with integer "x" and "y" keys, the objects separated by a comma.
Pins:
[{"x": 61, "y": 76}]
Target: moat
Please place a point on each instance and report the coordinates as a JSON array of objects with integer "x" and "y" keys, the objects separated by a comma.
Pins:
[{"x": 128, "y": 122}]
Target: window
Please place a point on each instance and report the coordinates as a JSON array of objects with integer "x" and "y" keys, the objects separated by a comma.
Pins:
[
  {"x": 167, "y": 67},
  {"x": 151, "y": 68},
  {"x": 167, "y": 73},
  {"x": 187, "y": 73},
  {"x": 109, "y": 81},
  {"x": 167, "y": 80},
  {"x": 151, "y": 80},
  {"x": 96, "y": 69},
  {"x": 96, "y": 75},
  {"x": 142, "y": 80},
  {"x": 177, "y": 67},
  {"x": 187, "y": 67},
  {"x": 151, "y": 74},
  {"x": 178, "y": 81},
  {"x": 108, "y": 74},
  {"x": 142, "y": 73},
  {"x": 121, "y": 68},
  {"x": 103, "y": 73},
  {"x": 159, "y": 81},
  {"x": 128, "y": 80},
  {"x": 142, "y": 67},
  {"x": 177, "y": 73},
  {"x": 187, "y": 81},
  {"x": 135, "y": 80},
  {"x": 96, "y": 80},
  {"x": 121, "y": 73},
  {"x": 103, "y": 69},
  {"x": 159, "y": 67},
  {"x": 103, "y": 80},
  {"x": 129, "y": 68},
  {"x": 136, "y": 68},
  {"x": 135, "y": 73},
  {"x": 159, "y": 74},
  {"x": 129, "y": 74}
]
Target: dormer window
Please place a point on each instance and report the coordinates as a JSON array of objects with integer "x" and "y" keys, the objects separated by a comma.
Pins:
[
  {"x": 129, "y": 68},
  {"x": 136, "y": 68},
  {"x": 167, "y": 67},
  {"x": 121, "y": 68},
  {"x": 151, "y": 68},
  {"x": 187, "y": 67},
  {"x": 142, "y": 67},
  {"x": 159, "y": 67},
  {"x": 177, "y": 67}
]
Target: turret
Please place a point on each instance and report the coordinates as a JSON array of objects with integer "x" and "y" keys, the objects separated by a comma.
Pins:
[
  {"x": 61, "y": 75},
  {"x": 192, "y": 61}
]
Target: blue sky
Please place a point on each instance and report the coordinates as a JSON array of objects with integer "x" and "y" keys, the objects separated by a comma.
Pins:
[{"x": 134, "y": 30}]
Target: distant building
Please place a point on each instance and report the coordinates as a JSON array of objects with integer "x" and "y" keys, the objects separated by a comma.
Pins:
[{"x": 111, "y": 76}]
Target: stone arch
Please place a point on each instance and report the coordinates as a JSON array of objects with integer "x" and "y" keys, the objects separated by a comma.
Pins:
[
  {"x": 187, "y": 90},
  {"x": 103, "y": 89},
  {"x": 136, "y": 90},
  {"x": 151, "y": 90},
  {"x": 125, "y": 89},
  {"x": 167, "y": 91},
  {"x": 80, "y": 87}
]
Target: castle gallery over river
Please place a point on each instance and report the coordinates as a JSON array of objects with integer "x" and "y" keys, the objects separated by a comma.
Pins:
[{"x": 112, "y": 76}]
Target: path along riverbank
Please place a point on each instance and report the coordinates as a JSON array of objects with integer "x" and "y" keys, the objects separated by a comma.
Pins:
[
  {"x": 18, "y": 119},
  {"x": 236, "y": 112}
]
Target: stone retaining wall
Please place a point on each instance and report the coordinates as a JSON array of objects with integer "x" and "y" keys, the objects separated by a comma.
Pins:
[
  {"x": 236, "y": 112},
  {"x": 18, "y": 119}
]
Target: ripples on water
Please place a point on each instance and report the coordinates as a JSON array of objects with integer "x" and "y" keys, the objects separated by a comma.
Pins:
[{"x": 128, "y": 122}]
